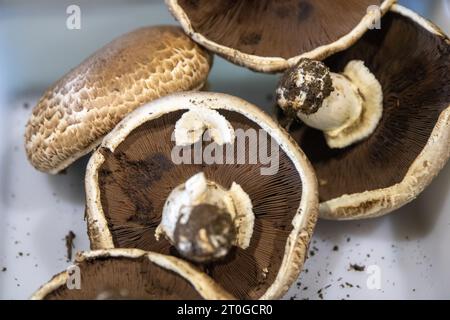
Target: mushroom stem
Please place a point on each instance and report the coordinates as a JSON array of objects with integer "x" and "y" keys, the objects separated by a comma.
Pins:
[
  {"x": 347, "y": 107},
  {"x": 204, "y": 221},
  {"x": 207, "y": 233},
  {"x": 342, "y": 108}
]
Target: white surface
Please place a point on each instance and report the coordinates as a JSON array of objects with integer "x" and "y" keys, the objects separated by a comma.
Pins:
[{"x": 37, "y": 210}]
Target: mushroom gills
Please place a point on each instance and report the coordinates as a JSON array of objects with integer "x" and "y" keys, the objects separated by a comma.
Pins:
[
  {"x": 136, "y": 178},
  {"x": 347, "y": 107},
  {"x": 268, "y": 28},
  {"x": 122, "y": 274},
  {"x": 410, "y": 57}
]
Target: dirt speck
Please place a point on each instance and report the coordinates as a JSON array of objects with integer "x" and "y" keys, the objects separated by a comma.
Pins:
[
  {"x": 250, "y": 39},
  {"x": 69, "y": 244},
  {"x": 349, "y": 285},
  {"x": 357, "y": 267}
]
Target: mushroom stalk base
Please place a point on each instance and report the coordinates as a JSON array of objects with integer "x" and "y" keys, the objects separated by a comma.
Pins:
[{"x": 203, "y": 220}]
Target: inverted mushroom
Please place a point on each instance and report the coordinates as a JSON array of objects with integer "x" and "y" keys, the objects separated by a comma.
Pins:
[
  {"x": 75, "y": 113},
  {"x": 248, "y": 227},
  {"x": 119, "y": 274},
  {"x": 270, "y": 36},
  {"x": 373, "y": 156}
]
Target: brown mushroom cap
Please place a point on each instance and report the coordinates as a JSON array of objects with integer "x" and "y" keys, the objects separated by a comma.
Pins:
[
  {"x": 131, "y": 175},
  {"x": 411, "y": 59},
  {"x": 131, "y": 274},
  {"x": 270, "y": 36},
  {"x": 76, "y": 112}
]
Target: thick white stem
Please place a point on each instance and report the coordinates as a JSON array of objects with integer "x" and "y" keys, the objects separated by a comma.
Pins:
[
  {"x": 339, "y": 110},
  {"x": 198, "y": 190},
  {"x": 353, "y": 110}
]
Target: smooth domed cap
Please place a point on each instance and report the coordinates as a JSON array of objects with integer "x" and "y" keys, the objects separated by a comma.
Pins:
[
  {"x": 270, "y": 36},
  {"x": 118, "y": 274},
  {"x": 132, "y": 174},
  {"x": 410, "y": 57},
  {"x": 76, "y": 112}
]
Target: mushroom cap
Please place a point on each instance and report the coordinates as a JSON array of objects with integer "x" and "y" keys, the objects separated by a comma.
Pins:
[
  {"x": 270, "y": 36},
  {"x": 410, "y": 57},
  {"x": 131, "y": 174},
  {"x": 77, "y": 111},
  {"x": 132, "y": 274}
]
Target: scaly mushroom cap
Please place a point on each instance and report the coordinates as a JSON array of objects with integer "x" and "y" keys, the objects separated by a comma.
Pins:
[
  {"x": 118, "y": 274},
  {"x": 132, "y": 174},
  {"x": 411, "y": 59},
  {"x": 270, "y": 36},
  {"x": 75, "y": 113}
]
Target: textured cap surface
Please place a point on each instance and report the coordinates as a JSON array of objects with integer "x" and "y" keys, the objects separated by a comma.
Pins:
[{"x": 83, "y": 106}]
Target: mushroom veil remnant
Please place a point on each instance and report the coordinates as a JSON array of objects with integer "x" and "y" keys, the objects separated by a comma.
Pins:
[
  {"x": 347, "y": 107},
  {"x": 374, "y": 117},
  {"x": 249, "y": 231}
]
